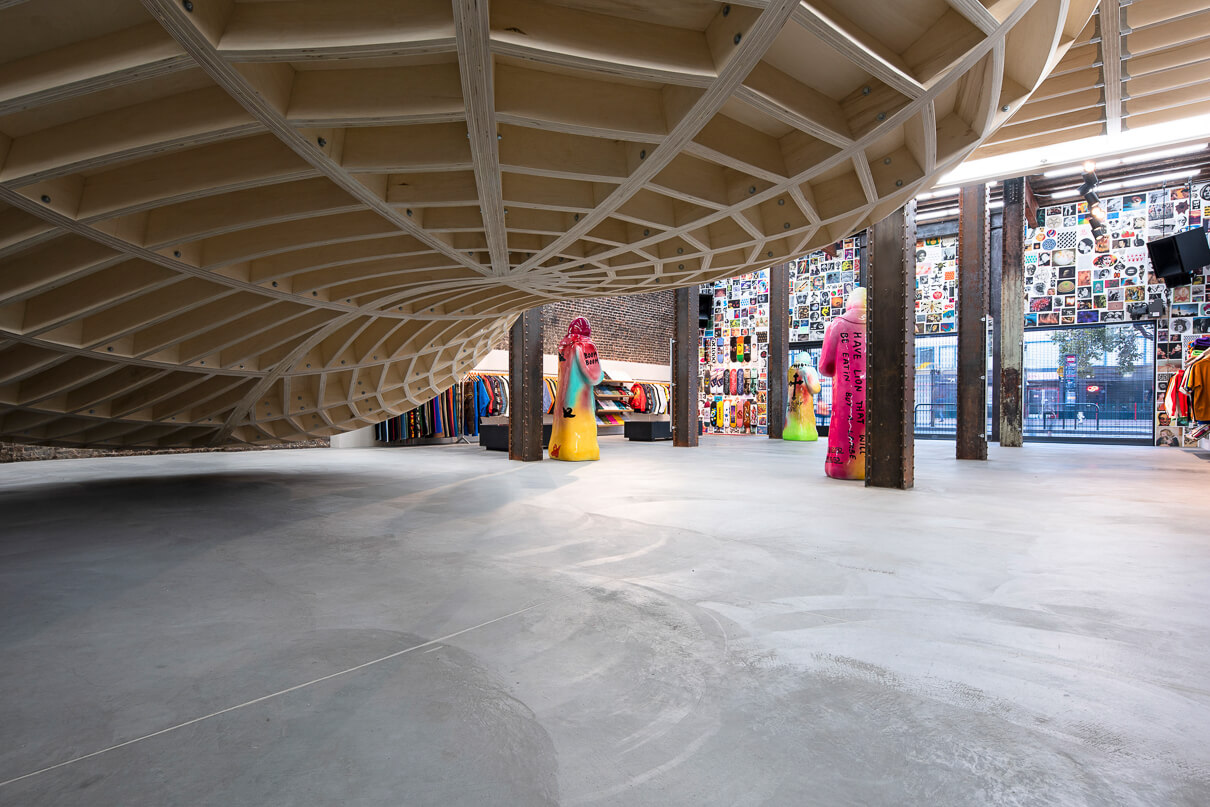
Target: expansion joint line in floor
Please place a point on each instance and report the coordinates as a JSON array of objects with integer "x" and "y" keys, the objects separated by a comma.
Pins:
[{"x": 429, "y": 644}]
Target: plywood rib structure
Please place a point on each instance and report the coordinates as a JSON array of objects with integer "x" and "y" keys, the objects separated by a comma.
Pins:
[
  {"x": 1136, "y": 63},
  {"x": 261, "y": 221}
]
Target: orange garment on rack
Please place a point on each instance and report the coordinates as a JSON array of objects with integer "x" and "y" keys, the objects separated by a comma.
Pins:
[{"x": 1198, "y": 383}]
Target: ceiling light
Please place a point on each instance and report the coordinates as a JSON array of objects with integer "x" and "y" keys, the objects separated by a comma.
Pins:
[
  {"x": 1160, "y": 138},
  {"x": 1158, "y": 178},
  {"x": 938, "y": 214},
  {"x": 938, "y": 194},
  {"x": 1070, "y": 171},
  {"x": 1159, "y": 155}
]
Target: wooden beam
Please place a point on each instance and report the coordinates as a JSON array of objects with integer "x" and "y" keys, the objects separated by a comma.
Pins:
[
  {"x": 1110, "y": 18},
  {"x": 471, "y": 26},
  {"x": 316, "y": 152},
  {"x": 60, "y": 74},
  {"x": 748, "y": 50}
]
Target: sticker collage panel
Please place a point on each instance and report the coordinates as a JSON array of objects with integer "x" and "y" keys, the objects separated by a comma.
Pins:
[
  {"x": 819, "y": 284},
  {"x": 733, "y": 356},
  {"x": 1074, "y": 278},
  {"x": 936, "y": 285}
]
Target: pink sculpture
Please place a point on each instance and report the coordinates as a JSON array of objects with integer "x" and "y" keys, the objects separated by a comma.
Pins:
[{"x": 843, "y": 358}]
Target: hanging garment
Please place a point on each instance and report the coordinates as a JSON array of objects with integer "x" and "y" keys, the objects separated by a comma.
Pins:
[
  {"x": 1170, "y": 394},
  {"x": 483, "y": 401},
  {"x": 493, "y": 386},
  {"x": 1198, "y": 385},
  {"x": 638, "y": 398}
]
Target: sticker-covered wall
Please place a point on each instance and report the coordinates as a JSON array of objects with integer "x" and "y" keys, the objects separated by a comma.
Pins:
[
  {"x": 734, "y": 348},
  {"x": 1073, "y": 278},
  {"x": 819, "y": 284},
  {"x": 936, "y": 285},
  {"x": 733, "y": 356}
]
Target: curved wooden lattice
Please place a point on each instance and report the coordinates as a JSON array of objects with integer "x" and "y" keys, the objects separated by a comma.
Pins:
[
  {"x": 1136, "y": 64},
  {"x": 260, "y": 221}
]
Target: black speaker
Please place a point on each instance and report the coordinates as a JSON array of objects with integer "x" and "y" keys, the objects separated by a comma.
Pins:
[{"x": 1176, "y": 258}]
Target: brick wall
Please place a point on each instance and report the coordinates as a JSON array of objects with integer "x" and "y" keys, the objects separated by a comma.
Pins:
[
  {"x": 26, "y": 452},
  {"x": 629, "y": 328}
]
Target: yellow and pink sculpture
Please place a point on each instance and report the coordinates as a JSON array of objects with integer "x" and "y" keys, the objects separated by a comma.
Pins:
[
  {"x": 573, "y": 437},
  {"x": 805, "y": 384}
]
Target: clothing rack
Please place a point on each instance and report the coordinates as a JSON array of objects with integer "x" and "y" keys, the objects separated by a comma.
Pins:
[
  {"x": 1187, "y": 400},
  {"x": 455, "y": 415}
]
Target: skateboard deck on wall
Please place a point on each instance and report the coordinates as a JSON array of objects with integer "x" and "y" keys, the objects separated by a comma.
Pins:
[
  {"x": 748, "y": 347},
  {"x": 734, "y": 347}
]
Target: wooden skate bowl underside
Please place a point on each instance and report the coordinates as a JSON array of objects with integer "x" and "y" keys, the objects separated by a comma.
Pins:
[{"x": 265, "y": 221}]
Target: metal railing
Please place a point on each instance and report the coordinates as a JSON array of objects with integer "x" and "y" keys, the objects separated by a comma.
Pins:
[
  {"x": 1059, "y": 415},
  {"x": 945, "y": 423}
]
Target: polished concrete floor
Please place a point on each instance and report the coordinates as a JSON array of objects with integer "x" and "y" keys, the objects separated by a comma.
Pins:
[{"x": 719, "y": 626}]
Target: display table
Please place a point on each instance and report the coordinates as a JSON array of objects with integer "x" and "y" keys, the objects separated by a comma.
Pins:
[
  {"x": 493, "y": 431},
  {"x": 648, "y": 428}
]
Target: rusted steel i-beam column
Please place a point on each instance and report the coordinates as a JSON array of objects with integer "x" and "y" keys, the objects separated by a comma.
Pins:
[
  {"x": 1012, "y": 314},
  {"x": 891, "y": 362},
  {"x": 779, "y": 348},
  {"x": 685, "y": 369},
  {"x": 995, "y": 247},
  {"x": 972, "y": 323},
  {"x": 525, "y": 387}
]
